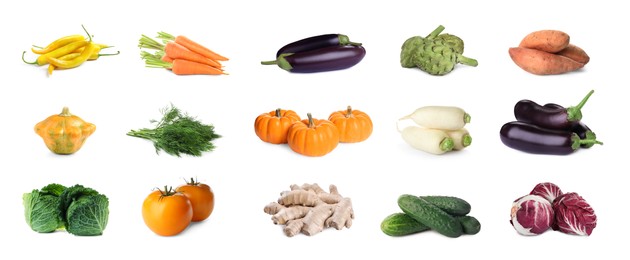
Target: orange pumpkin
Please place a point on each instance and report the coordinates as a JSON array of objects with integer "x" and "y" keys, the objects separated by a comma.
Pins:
[
  {"x": 64, "y": 133},
  {"x": 313, "y": 137},
  {"x": 354, "y": 125},
  {"x": 272, "y": 127}
]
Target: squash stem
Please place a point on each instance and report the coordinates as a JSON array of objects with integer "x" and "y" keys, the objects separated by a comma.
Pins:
[
  {"x": 310, "y": 120},
  {"x": 278, "y": 114},
  {"x": 349, "y": 113},
  {"x": 65, "y": 112}
]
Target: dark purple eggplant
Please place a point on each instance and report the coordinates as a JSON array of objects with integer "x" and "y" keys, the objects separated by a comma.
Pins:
[
  {"x": 581, "y": 129},
  {"x": 534, "y": 139},
  {"x": 547, "y": 117},
  {"x": 316, "y": 42},
  {"x": 324, "y": 59}
]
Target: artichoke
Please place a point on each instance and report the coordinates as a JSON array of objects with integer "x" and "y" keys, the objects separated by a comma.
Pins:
[
  {"x": 453, "y": 41},
  {"x": 435, "y": 54}
]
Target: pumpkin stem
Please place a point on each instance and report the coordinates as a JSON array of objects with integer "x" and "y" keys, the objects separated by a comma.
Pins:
[
  {"x": 349, "y": 113},
  {"x": 278, "y": 114},
  {"x": 310, "y": 120},
  {"x": 65, "y": 112}
]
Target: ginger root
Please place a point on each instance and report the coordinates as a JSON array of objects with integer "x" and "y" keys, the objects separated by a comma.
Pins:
[{"x": 309, "y": 209}]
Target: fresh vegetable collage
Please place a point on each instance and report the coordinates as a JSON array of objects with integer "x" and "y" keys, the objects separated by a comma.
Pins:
[{"x": 308, "y": 209}]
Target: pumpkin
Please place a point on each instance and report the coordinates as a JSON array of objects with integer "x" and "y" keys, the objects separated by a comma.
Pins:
[
  {"x": 64, "y": 133},
  {"x": 313, "y": 137},
  {"x": 354, "y": 125},
  {"x": 272, "y": 127}
]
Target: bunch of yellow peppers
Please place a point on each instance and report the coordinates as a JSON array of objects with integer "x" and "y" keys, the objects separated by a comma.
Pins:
[{"x": 68, "y": 52}]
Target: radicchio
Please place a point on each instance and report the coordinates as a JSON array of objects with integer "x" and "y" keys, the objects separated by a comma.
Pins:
[
  {"x": 547, "y": 190},
  {"x": 531, "y": 215},
  {"x": 574, "y": 215}
]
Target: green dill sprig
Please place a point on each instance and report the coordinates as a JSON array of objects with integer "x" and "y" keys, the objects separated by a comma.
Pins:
[{"x": 178, "y": 133}]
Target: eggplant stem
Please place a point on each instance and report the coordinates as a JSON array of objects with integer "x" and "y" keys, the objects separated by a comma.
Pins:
[
  {"x": 575, "y": 113},
  {"x": 271, "y": 62}
]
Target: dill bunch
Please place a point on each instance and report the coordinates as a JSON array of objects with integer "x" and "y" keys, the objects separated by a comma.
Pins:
[{"x": 178, "y": 133}]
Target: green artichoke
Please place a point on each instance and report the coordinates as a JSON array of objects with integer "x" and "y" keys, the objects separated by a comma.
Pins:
[
  {"x": 435, "y": 54},
  {"x": 451, "y": 40}
]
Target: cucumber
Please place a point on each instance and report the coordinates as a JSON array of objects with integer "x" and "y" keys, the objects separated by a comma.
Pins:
[
  {"x": 430, "y": 215},
  {"x": 470, "y": 224},
  {"x": 452, "y": 205},
  {"x": 401, "y": 224}
]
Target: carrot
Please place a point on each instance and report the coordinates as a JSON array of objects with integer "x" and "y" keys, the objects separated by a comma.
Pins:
[
  {"x": 551, "y": 41},
  {"x": 575, "y": 53},
  {"x": 542, "y": 63},
  {"x": 193, "y": 46},
  {"x": 184, "y": 67},
  {"x": 176, "y": 51}
]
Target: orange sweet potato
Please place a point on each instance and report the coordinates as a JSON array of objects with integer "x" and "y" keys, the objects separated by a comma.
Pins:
[
  {"x": 551, "y": 41},
  {"x": 542, "y": 63},
  {"x": 575, "y": 53}
]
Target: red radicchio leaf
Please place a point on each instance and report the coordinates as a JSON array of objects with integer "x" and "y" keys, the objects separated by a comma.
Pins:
[
  {"x": 574, "y": 215},
  {"x": 547, "y": 190},
  {"x": 531, "y": 215}
]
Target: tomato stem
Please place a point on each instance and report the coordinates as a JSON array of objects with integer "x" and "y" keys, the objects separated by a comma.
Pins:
[{"x": 193, "y": 182}]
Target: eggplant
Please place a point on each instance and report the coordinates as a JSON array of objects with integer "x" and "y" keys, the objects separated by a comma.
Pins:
[
  {"x": 579, "y": 127},
  {"x": 318, "y": 60},
  {"x": 549, "y": 117},
  {"x": 534, "y": 139},
  {"x": 316, "y": 42}
]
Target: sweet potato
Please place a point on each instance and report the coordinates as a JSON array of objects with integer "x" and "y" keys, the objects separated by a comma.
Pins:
[
  {"x": 542, "y": 63},
  {"x": 575, "y": 53},
  {"x": 551, "y": 41}
]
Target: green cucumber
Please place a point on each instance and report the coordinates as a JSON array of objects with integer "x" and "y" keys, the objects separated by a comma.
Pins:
[
  {"x": 430, "y": 215},
  {"x": 452, "y": 205},
  {"x": 470, "y": 224},
  {"x": 401, "y": 224}
]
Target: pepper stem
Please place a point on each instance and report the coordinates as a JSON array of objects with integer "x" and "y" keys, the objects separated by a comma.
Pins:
[
  {"x": 311, "y": 124},
  {"x": 349, "y": 112},
  {"x": 65, "y": 112},
  {"x": 89, "y": 35},
  {"x": 34, "y": 62},
  {"x": 575, "y": 113},
  {"x": 109, "y": 54},
  {"x": 278, "y": 113},
  {"x": 436, "y": 32}
]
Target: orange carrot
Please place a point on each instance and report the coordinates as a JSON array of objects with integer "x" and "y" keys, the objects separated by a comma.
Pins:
[
  {"x": 184, "y": 67},
  {"x": 193, "y": 46},
  {"x": 176, "y": 51}
]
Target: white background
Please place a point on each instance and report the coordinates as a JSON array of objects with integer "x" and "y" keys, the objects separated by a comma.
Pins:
[{"x": 118, "y": 94}]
